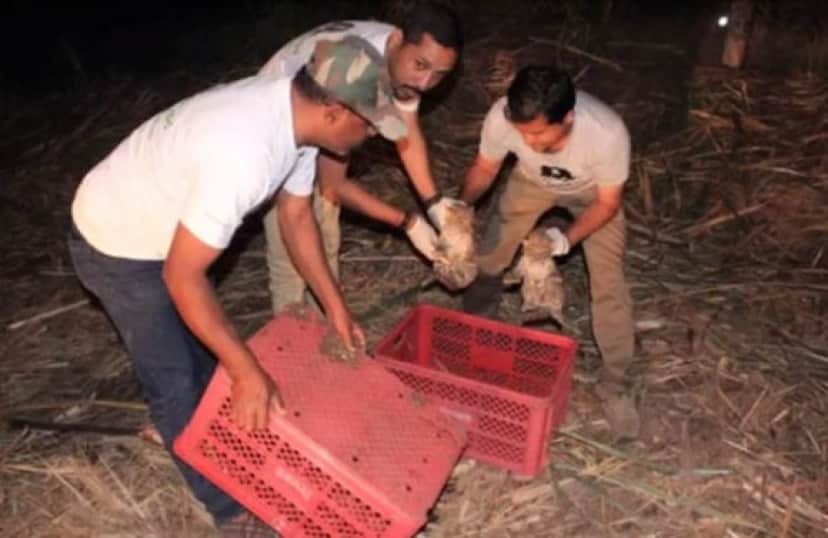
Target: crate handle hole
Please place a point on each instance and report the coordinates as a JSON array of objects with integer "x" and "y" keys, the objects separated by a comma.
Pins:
[{"x": 398, "y": 342}]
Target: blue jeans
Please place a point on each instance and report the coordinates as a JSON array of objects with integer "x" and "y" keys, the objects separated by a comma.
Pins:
[{"x": 172, "y": 365}]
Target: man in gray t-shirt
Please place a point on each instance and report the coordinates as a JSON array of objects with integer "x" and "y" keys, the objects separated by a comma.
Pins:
[{"x": 572, "y": 151}]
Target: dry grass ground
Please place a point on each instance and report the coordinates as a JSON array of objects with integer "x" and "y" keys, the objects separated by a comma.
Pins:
[{"x": 727, "y": 265}]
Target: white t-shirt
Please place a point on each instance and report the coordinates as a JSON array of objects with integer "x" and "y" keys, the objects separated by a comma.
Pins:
[
  {"x": 597, "y": 152},
  {"x": 292, "y": 56},
  {"x": 206, "y": 162}
]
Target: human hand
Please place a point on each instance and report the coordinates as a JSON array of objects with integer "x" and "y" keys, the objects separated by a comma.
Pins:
[
  {"x": 251, "y": 395},
  {"x": 350, "y": 333},
  {"x": 560, "y": 244},
  {"x": 437, "y": 211},
  {"x": 421, "y": 235}
]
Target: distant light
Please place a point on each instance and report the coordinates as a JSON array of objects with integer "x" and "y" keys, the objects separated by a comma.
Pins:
[{"x": 723, "y": 21}]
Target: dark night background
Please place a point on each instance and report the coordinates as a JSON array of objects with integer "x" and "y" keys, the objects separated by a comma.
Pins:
[
  {"x": 53, "y": 47},
  {"x": 50, "y": 47}
]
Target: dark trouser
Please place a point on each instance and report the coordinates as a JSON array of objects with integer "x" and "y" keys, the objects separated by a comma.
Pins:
[{"x": 173, "y": 366}]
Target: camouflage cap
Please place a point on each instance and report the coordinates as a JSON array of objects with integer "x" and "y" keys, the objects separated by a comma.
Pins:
[{"x": 354, "y": 73}]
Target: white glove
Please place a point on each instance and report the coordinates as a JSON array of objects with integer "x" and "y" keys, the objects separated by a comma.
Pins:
[
  {"x": 422, "y": 236},
  {"x": 560, "y": 244},
  {"x": 437, "y": 211}
]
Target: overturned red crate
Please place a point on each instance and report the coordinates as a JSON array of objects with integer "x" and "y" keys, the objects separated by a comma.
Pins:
[
  {"x": 357, "y": 454},
  {"x": 509, "y": 385}
]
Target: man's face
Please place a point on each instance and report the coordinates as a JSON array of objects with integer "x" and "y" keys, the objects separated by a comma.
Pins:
[
  {"x": 542, "y": 136},
  {"x": 418, "y": 67},
  {"x": 346, "y": 130}
]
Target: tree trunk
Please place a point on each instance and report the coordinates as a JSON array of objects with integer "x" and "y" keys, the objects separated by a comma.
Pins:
[{"x": 738, "y": 33}]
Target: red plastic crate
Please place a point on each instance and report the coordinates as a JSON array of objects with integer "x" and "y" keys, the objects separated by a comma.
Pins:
[
  {"x": 509, "y": 385},
  {"x": 358, "y": 454}
]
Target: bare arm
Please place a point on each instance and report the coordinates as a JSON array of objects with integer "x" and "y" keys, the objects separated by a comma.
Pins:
[
  {"x": 354, "y": 197},
  {"x": 419, "y": 232},
  {"x": 333, "y": 181},
  {"x": 301, "y": 236},
  {"x": 479, "y": 178},
  {"x": 596, "y": 214},
  {"x": 413, "y": 152},
  {"x": 185, "y": 275}
]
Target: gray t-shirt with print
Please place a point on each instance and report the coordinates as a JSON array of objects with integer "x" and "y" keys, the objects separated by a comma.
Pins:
[{"x": 597, "y": 152}]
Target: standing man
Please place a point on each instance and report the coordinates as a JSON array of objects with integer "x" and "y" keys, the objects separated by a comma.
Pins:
[
  {"x": 150, "y": 219},
  {"x": 419, "y": 55},
  {"x": 572, "y": 151}
]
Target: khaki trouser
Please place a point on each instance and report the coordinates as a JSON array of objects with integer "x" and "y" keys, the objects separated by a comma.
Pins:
[
  {"x": 519, "y": 208},
  {"x": 286, "y": 285}
]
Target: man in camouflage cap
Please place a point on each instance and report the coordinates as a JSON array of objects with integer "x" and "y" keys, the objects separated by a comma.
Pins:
[
  {"x": 419, "y": 54},
  {"x": 342, "y": 67},
  {"x": 153, "y": 216}
]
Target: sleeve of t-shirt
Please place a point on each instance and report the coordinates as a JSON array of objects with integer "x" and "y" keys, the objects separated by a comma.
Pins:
[
  {"x": 412, "y": 105},
  {"x": 613, "y": 166},
  {"x": 300, "y": 180},
  {"x": 493, "y": 134},
  {"x": 222, "y": 194},
  {"x": 275, "y": 67},
  {"x": 289, "y": 59}
]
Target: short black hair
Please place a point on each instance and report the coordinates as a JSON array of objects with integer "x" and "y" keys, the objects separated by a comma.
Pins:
[
  {"x": 540, "y": 89},
  {"x": 310, "y": 90},
  {"x": 436, "y": 19}
]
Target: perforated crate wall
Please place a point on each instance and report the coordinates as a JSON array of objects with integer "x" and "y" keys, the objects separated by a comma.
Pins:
[
  {"x": 357, "y": 454},
  {"x": 508, "y": 384}
]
